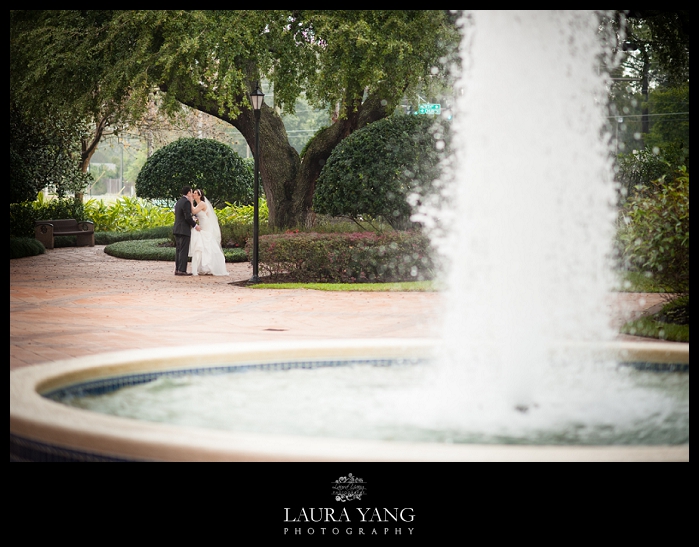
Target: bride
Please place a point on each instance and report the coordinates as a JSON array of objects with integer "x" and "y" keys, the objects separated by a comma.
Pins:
[{"x": 205, "y": 245}]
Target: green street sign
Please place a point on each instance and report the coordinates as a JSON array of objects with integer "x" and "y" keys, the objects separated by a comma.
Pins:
[{"x": 427, "y": 108}]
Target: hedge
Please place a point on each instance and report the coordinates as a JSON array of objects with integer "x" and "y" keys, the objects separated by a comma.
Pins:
[
  {"x": 345, "y": 257},
  {"x": 159, "y": 249},
  {"x": 654, "y": 232},
  {"x": 25, "y": 246}
]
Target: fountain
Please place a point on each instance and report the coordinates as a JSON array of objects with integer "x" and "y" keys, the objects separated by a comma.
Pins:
[
  {"x": 44, "y": 430},
  {"x": 529, "y": 235},
  {"x": 526, "y": 346}
]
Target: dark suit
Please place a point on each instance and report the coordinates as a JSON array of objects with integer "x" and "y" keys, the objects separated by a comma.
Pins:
[{"x": 183, "y": 232}]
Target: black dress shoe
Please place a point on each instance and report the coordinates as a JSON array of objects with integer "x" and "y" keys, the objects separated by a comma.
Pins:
[{"x": 182, "y": 273}]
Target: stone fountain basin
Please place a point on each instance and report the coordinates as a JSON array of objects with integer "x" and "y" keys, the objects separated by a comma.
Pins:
[{"x": 47, "y": 430}]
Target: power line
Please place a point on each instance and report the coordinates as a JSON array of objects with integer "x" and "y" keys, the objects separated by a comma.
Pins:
[{"x": 649, "y": 115}]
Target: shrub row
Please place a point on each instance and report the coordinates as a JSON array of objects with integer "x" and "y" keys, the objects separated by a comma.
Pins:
[
  {"x": 151, "y": 249},
  {"x": 235, "y": 234},
  {"x": 654, "y": 232},
  {"x": 106, "y": 238},
  {"x": 23, "y": 215},
  {"x": 127, "y": 214},
  {"x": 345, "y": 257},
  {"x": 159, "y": 249}
]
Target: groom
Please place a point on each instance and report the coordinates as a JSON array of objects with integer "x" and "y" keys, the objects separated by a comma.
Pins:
[{"x": 183, "y": 230}]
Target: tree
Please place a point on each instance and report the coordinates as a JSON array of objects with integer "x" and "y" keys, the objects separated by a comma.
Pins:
[
  {"x": 24, "y": 147},
  {"x": 670, "y": 128},
  {"x": 376, "y": 170},
  {"x": 362, "y": 62},
  {"x": 40, "y": 41},
  {"x": 43, "y": 152},
  {"x": 200, "y": 163},
  {"x": 654, "y": 50},
  {"x": 665, "y": 34},
  {"x": 304, "y": 124}
]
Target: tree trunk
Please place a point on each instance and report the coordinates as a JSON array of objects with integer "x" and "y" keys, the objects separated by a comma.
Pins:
[
  {"x": 279, "y": 162},
  {"x": 319, "y": 150},
  {"x": 88, "y": 150},
  {"x": 90, "y": 147}
]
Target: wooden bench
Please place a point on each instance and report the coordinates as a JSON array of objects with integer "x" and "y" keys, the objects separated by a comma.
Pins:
[{"x": 46, "y": 230}]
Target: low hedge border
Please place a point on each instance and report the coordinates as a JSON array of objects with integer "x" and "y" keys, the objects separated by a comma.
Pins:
[
  {"x": 159, "y": 249},
  {"x": 25, "y": 246},
  {"x": 107, "y": 238},
  {"x": 346, "y": 257}
]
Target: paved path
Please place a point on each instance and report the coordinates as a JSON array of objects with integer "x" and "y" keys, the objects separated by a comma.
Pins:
[{"x": 72, "y": 302}]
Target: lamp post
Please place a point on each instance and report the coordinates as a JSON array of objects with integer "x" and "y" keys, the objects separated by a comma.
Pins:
[
  {"x": 257, "y": 98},
  {"x": 619, "y": 121}
]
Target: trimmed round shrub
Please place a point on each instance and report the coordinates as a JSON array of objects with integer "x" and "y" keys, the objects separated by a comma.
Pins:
[
  {"x": 655, "y": 232},
  {"x": 200, "y": 163},
  {"x": 25, "y": 246},
  {"x": 372, "y": 172}
]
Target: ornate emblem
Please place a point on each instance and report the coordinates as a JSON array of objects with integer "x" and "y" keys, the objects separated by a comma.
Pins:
[{"x": 349, "y": 488}]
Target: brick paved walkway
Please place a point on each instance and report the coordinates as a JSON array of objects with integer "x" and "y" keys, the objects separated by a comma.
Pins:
[{"x": 72, "y": 302}]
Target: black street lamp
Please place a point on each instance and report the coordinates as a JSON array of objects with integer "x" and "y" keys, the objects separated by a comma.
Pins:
[{"x": 257, "y": 98}]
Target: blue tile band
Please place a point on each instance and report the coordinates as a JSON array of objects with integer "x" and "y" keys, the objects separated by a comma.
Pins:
[{"x": 107, "y": 385}]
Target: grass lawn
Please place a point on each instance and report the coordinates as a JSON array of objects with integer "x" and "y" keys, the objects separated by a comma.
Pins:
[
  {"x": 406, "y": 286},
  {"x": 649, "y": 327}
]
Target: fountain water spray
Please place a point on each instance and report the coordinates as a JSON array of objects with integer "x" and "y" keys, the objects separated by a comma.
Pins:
[{"x": 530, "y": 213}]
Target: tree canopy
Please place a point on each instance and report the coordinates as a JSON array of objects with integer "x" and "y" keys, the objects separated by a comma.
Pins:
[
  {"x": 43, "y": 153},
  {"x": 665, "y": 35},
  {"x": 206, "y": 164},
  {"x": 363, "y": 62},
  {"x": 651, "y": 91}
]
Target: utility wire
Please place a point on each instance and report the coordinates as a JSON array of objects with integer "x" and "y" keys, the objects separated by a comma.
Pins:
[{"x": 649, "y": 115}]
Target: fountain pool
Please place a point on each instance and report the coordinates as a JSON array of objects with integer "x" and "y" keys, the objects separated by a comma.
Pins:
[{"x": 45, "y": 430}]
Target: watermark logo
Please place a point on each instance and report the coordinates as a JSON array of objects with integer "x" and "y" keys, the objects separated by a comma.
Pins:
[
  {"x": 346, "y": 519},
  {"x": 349, "y": 488}
]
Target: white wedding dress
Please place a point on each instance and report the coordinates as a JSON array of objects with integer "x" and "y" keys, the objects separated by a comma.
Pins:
[{"x": 205, "y": 245}]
